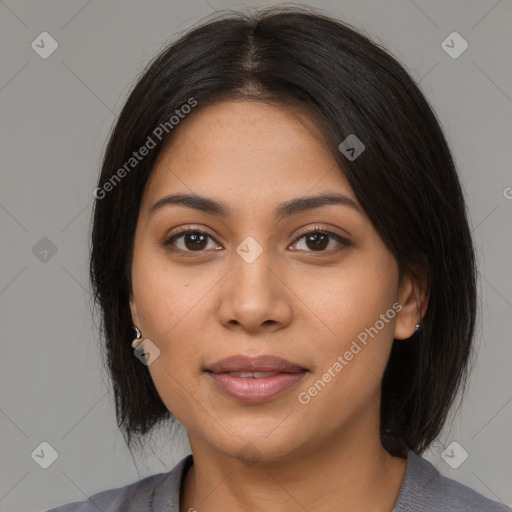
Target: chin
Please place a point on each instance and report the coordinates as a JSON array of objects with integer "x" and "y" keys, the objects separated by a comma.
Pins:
[{"x": 257, "y": 442}]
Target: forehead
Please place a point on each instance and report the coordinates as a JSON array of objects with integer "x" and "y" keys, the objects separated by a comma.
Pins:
[{"x": 249, "y": 150}]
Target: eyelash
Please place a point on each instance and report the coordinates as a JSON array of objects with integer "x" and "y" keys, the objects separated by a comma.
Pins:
[{"x": 316, "y": 231}]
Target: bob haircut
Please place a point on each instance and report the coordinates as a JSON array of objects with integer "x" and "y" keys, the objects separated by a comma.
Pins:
[{"x": 405, "y": 180}]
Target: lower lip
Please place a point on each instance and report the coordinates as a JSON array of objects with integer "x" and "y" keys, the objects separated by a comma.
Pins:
[{"x": 253, "y": 390}]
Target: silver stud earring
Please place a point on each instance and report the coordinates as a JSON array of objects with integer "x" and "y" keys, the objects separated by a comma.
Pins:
[
  {"x": 418, "y": 327},
  {"x": 137, "y": 341}
]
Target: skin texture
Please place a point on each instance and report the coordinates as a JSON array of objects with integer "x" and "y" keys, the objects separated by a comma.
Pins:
[{"x": 294, "y": 301}]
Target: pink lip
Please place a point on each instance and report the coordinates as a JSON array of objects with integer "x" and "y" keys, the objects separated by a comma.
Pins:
[
  {"x": 250, "y": 389},
  {"x": 242, "y": 363}
]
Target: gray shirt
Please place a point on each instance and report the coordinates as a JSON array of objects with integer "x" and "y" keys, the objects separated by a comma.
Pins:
[{"x": 423, "y": 489}]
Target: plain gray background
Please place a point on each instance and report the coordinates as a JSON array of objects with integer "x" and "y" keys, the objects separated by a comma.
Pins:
[{"x": 56, "y": 114}]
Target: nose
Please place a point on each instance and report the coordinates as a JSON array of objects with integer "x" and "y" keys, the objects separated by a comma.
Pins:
[{"x": 254, "y": 296}]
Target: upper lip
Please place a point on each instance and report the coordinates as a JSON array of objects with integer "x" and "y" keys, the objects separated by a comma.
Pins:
[{"x": 265, "y": 363}]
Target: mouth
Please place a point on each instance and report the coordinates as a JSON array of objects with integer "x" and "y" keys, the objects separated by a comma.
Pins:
[{"x": 254, "y": 379}]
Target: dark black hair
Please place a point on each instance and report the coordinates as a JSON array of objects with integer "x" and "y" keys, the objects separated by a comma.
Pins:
[{"x": 405, "y": 180}]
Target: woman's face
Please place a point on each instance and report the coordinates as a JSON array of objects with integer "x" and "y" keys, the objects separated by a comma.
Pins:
[{"x": 253, "y": 281}]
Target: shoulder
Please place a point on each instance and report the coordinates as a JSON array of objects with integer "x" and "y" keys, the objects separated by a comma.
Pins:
[
  {"x": 156, "y": 493},
  {"x": 424, "y": 489}
]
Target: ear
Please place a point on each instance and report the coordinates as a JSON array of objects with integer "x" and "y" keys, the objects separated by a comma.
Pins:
[
  {"x": 413, "y": 297},
  {"x": 133, "y": 310}
]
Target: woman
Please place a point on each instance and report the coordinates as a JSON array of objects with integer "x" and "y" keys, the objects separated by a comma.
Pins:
[{"x": 279, "y": 220}]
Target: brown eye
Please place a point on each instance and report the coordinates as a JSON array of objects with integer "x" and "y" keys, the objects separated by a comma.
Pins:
[
  {"x": 191, "y": 240},
  {"x": 195, "y": 241},
  {"x": 318, "y": 241}
]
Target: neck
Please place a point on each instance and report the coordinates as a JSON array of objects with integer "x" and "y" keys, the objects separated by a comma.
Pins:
[{"x": 342, "y": 476}]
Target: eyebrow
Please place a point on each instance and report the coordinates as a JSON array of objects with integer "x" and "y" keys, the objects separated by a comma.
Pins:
[{"x": 286, "y": 209}]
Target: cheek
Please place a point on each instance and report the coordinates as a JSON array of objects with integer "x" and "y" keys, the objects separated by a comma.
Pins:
[
  {"x": 351, "y": 356},
  {"x": 170, "y": 315},
  {"x": 352, "y": 307},
  {"x": 172, "y": 305},
  {"x": 165, "y": 295},
  {"x": 173, "y": 322},
  {"x": 347, "y": 300}
]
